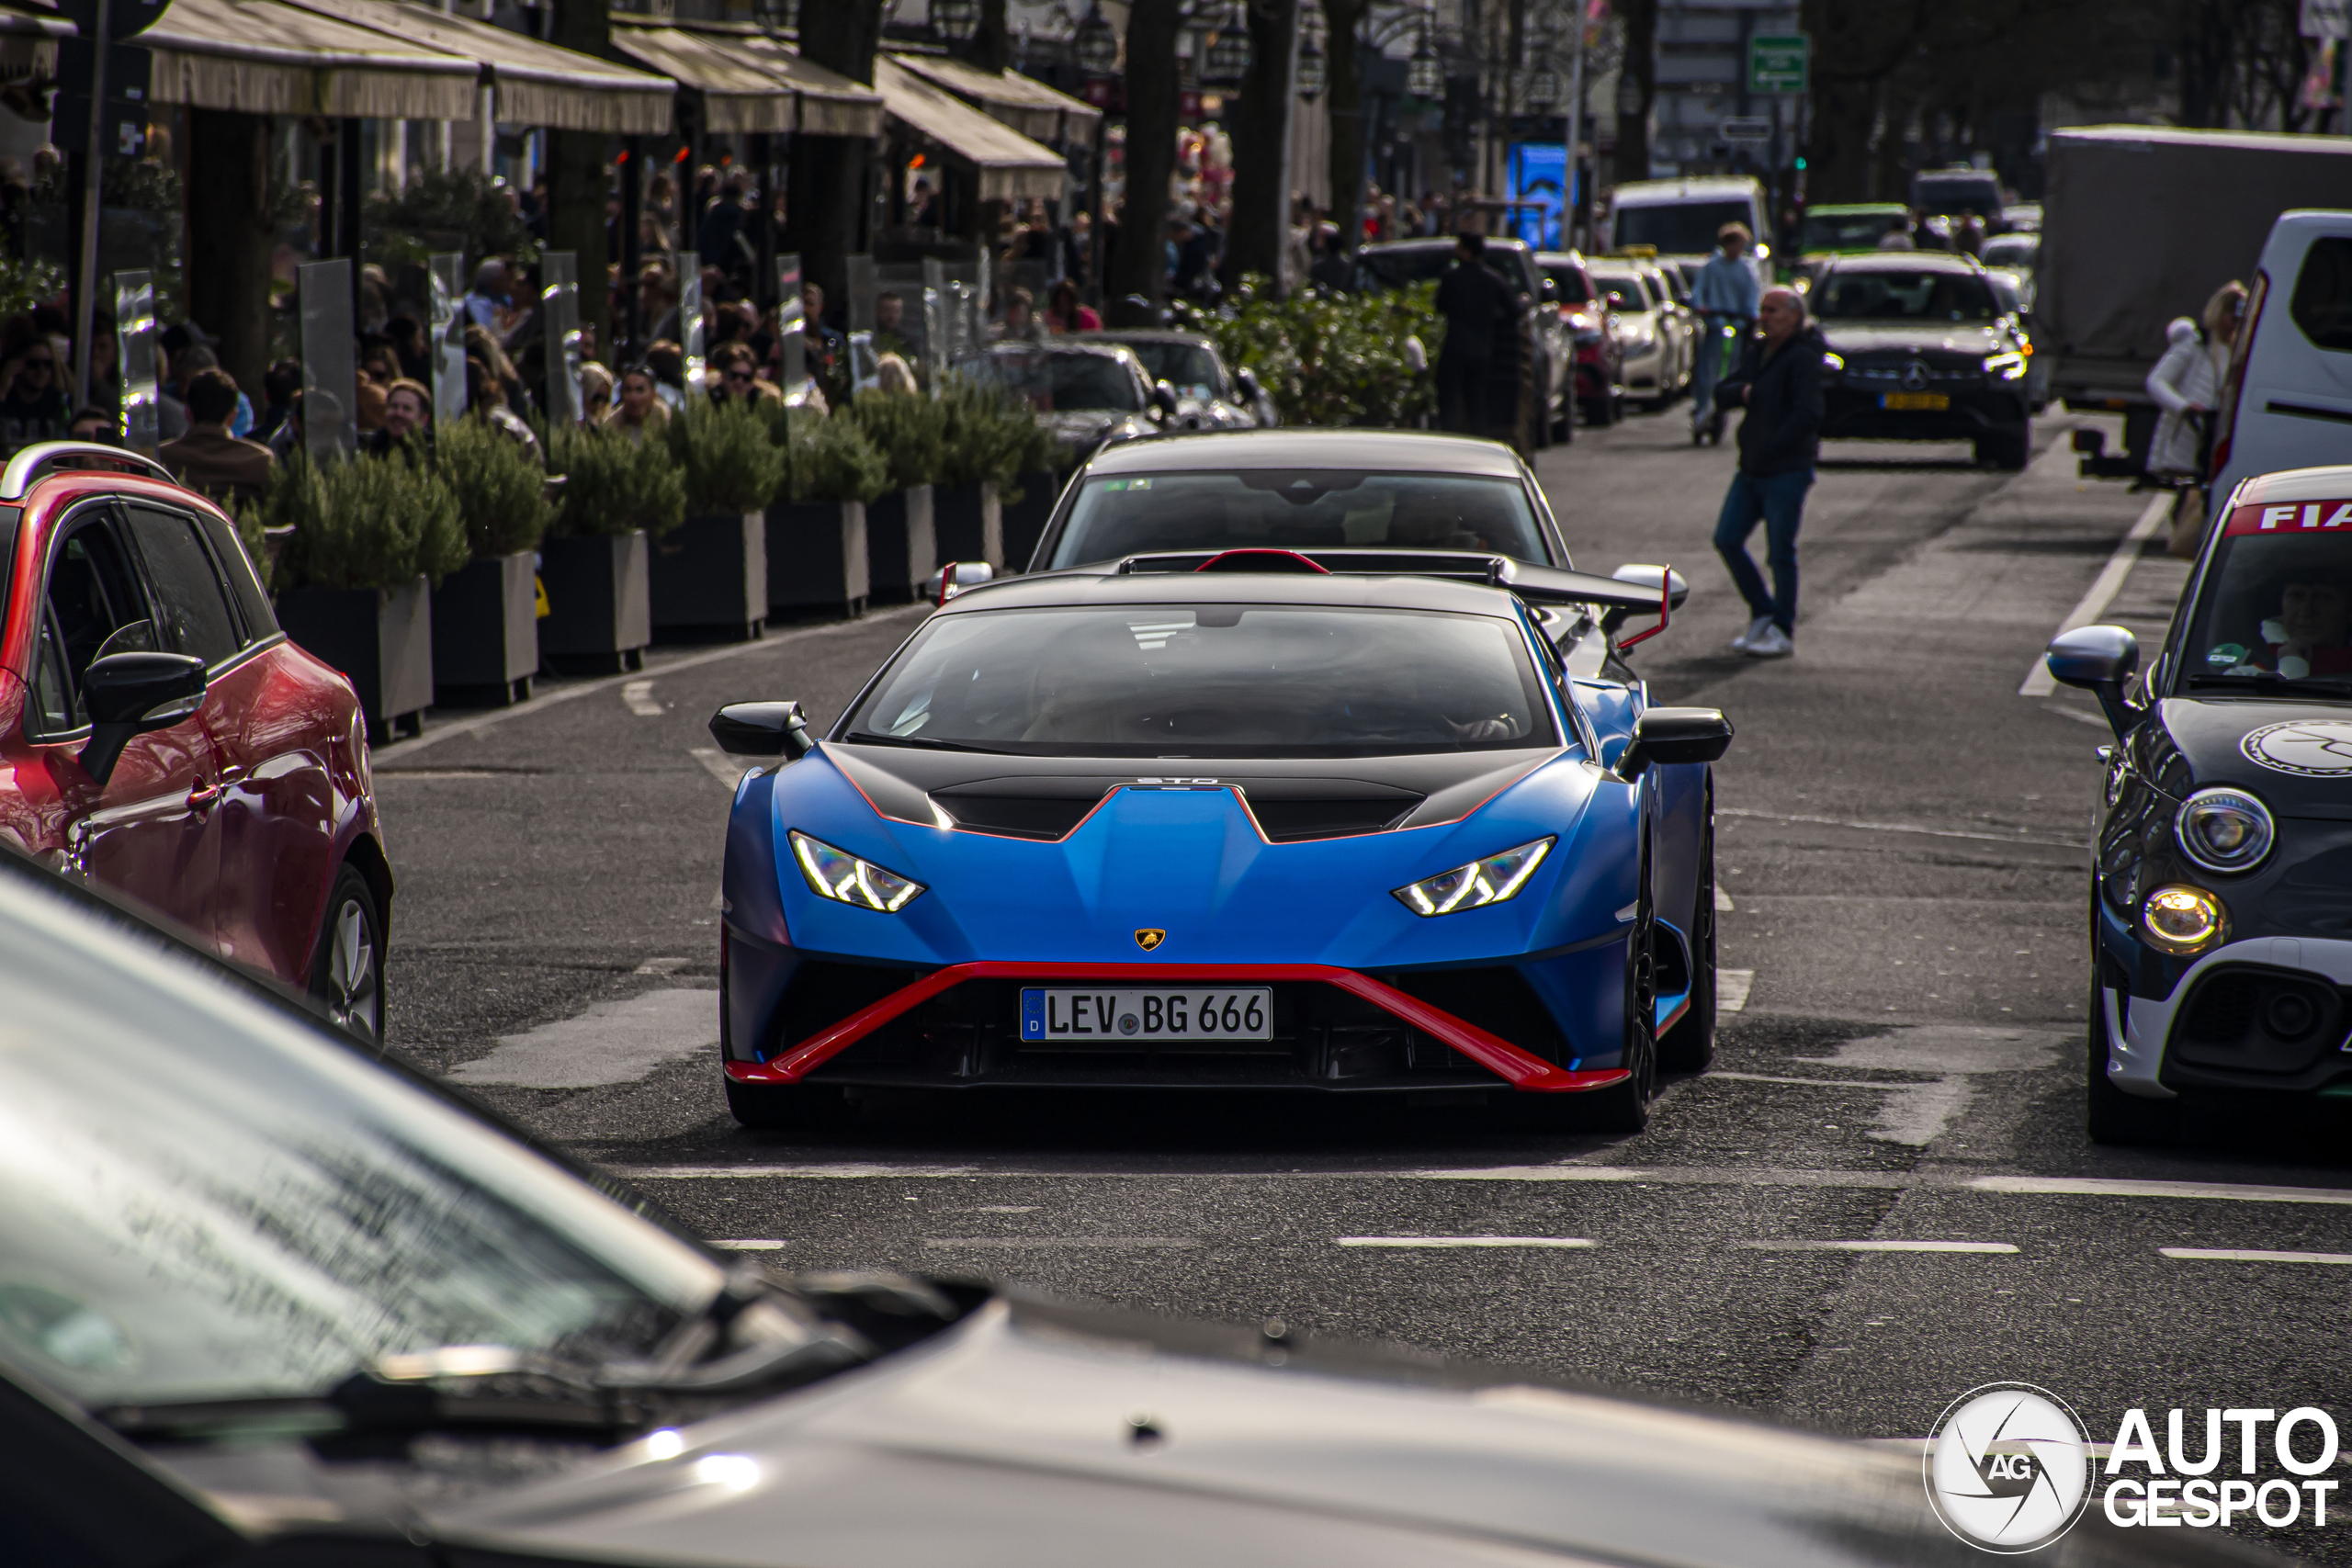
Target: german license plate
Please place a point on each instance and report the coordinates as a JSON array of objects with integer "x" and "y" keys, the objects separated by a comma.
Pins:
[
  {"x": 1932, "y": 401},
  {"x": 1060, "y": 1016}
]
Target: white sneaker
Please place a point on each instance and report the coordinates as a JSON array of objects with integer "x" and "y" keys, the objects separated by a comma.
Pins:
[
  {"x": 1754, "y": 629},
  {"x": 1769, "y": 643}
]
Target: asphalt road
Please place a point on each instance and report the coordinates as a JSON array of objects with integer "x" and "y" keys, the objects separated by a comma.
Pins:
[{"x": 1880, "y": 1199}]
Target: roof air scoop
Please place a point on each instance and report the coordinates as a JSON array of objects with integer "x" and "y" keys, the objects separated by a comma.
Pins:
[{"x": 1261, "y": 560}]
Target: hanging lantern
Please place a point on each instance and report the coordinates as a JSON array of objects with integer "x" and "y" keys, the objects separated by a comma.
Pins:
[
  {"x": 1097, "y": 47},
  {"x": 1228, "y": 57},
  {"x": 1542, "y": 89},
  {"x": 955, "y": 20},
  {"x": 1425, "y": 77},
  {"x": 1312, "y": 69}
]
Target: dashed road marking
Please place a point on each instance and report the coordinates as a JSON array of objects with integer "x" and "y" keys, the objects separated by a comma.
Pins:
[
  {"x": 1557, "y": 1242},
  {"x": 638, "y": 695},
  {"x": 612, "y": 1042},
  {"x": 1732, "y": 986},
  {"x": 1722, "y": 902},
  {"x": 2103, "y": 589},
  {"x": 1012, "y": 1242},
  {"x": 2104, "y": 1187},
  {"x": 1984, "y": 1246},
  {"x": 661, "y": 966},
  {"x": 2020, "y": 837},
  {"x": 750, "y": 1246},
  {"x": 1804, "y": 1083},
  {"x": 727, "y": 770},
  {"x": 2249, "y": 1255},
  {"x": 381, "y": 774}
]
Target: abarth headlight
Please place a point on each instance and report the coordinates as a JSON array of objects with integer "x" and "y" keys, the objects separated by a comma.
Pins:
[
  {"x": 842, "y": 878},
  {"x": 2224, "y": 829},
  {"x": 1494, "y": 880},
  {"x": 2005, "y": 366},
  {"x": 2182, "y": 919}
]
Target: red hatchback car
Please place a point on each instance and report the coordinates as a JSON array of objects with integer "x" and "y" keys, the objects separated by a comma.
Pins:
[{"x": 160, "y": 736}]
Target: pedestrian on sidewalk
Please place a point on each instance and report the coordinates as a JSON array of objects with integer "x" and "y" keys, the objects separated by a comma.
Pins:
[
  {"x": 1724, "y": 296},
  {"x": 1475, "y": 303},
  {"x": 1778, "y": 381},
  {"x": 2186, "y": 384}
]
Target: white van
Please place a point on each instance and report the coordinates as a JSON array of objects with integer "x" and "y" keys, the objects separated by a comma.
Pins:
[
  {"x": 2286, "y": 402},
  {"x": 1679, "y": 218}
]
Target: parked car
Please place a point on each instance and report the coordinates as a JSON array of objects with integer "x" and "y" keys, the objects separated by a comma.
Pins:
[
  {"x": 2012, "y": 298},
  {"x": 1208, "y": 396},
  {"x": 2286, "y": 398},
  {"x": 1839, "y": 231},
  {"x": 1088, "y": 394},
  {"x": 1651, "y": 346},
  {"x": 159, "y": 735},
  {"x": 1542, "y": 349},
  {"x": 1671, "y": 287},
  {"x": 1591, "y": 320},
  {"x": 1921, "y": 349}
]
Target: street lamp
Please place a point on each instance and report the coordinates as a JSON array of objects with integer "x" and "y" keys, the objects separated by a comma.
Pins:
[
  {"x": 1425, "y": 77},
  {"x": 955, "y": 20},
  {"x": 1228, "y": 57},
  {"x": 1312, "y": 71},
  {"x": 1097, "y": 49}
]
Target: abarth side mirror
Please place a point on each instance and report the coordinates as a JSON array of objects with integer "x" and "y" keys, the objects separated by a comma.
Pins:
[
  {"x": 131, "y": 693},
  {"x": 763, "y": 730},
  {"x": 954, "y": 578},
  {"x": 1671, "y": 735},
  {"x": 2098, "y": 659}
]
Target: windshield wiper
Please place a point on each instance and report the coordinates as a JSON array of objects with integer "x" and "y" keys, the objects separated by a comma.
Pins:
[
  {"x": 2270, "y": 681},
  {"x": 868, "y": 738},
  {"x": 528, "y": 1396}
]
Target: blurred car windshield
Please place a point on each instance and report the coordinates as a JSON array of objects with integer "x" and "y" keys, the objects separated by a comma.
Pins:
[
  {"x": 1682, "y": 228},
  {"x": 2278, "y": 602},
  {"x": 1414, "y": 264},
  {"x": 1296, "y": 508},
  {"x": 1624, "y": 290},
  {"x": 1569, "y": 281},
  {"x": 1059, "y": 380},
  {"x": 1846, "y": 231},
  {"x": 2018, "y": 250},
  {"x": 1943, "y": 195},
  {"x": 255, "y": 1212},
  {"x": 1213, "y": 681},
  {"x": 1192, "y": 369},
  {"x": 1922, "y": 296}
]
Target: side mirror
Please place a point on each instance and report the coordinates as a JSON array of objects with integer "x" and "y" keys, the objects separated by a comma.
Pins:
[
  {"x": 954, "y": 578},
  {"x": 1671, "y": 735},
  {"x": 2098, "y": 659},
  {"x": 763, "y": 730},
  {"x": 130, "y": 694},
  {"x": 1678, "y": 588},
  {"x": 1247, "y": 382},
  {"x": 1163, "y": 400}
]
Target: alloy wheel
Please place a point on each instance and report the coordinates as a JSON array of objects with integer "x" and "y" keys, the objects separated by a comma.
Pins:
[{"x": 355, "y": 999}]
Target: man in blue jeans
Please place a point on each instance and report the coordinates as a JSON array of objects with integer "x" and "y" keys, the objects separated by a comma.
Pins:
[{"x": 1778, "y": 381}]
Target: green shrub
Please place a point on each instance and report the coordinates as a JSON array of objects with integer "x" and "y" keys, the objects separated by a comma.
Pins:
[
  {"x": 248, "y": 515},
  {"x": 910, "y": 433},
  {"x": 990, "y": 435},
  {"x": 364, "y": 523},
  {"x": 726, "y": 457},
  {"x": 447, "y": 209},
  {"x": 832, "y": 460},
  {"x": 1330, "y": 359},
  {"x": 613, "y": 485},
  {"x": 501, "y": 494}
]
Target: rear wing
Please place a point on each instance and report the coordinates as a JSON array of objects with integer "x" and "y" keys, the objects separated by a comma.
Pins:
[{"x": 1536, "y": 585}]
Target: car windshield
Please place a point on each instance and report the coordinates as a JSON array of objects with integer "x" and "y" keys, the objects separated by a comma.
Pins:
[
  {"x": 253, "y": 1213},
  {"x": 1569, "y": 281},
  {"x": 1624, "y": 290},
  {"x": 1059, "y": 380},
  {"x": 1890, "y": 296},
  {"x": 1680, "y": 228},
  {"x": 1212, "y": 681},
  {"x": 1979, "y": 194},
  {"x": 1296, "y": 508},
  {"x": 2278, "y": 600},
  {"x": 1192, "y": 369},
  {"x": 2012, "y": 250},
  {"x": 1415, "y": 263},
  {"x": 1846, "y": 231}
]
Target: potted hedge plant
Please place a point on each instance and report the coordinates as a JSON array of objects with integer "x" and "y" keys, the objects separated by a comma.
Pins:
[
  {"x": 902, "y": 533},
  {"x": 369, "y": 536},
  {"x": 818, "y": 541},
  {"x": 485, "y": 615},
  {"x": 596, "y": 561},
  {"x": 711, "y": 574},
  {"x": 988, "y": 439}
]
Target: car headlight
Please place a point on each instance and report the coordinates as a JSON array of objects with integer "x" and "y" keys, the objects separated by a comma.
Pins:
[
  {"x": 2224, "y": 829},
  {"x": 1494, "y": 880},
  {"x": 845, "y": 879},
  {"x": 2005, "y": 366},
  {"x": 2181, "y": 920}
]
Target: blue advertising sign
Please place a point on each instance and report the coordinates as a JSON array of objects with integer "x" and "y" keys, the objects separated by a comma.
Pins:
[{"x": 1539, "y": 174}]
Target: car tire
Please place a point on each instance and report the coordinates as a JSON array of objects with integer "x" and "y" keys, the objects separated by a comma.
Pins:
[
  {"x": 2112, "y": 1116},
  {"x": 1689, "y": 1045},
  {"x": 774, "y": 1107},
  {"x": 347, "y": 964},
  {"x": 1625, "y": 1107}
]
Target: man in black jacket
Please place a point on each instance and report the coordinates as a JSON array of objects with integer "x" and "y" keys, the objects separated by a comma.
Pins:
[
  {"x": 1475, "y": 303},
  {"x": 1779, "y": 383}
]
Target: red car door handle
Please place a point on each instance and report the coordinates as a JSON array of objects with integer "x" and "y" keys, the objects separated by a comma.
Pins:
[{"x": 203, "y": 797}]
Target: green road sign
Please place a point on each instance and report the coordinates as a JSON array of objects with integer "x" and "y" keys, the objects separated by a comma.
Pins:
[{"x": 1779, "y": 62}]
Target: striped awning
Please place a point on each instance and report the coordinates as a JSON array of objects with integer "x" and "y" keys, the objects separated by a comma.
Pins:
[
  {"x": 28, "y": 44},
  {"x": 737, "y": 94},
  {"x": 1022, "y": 102},
  {"x": 262, "y": 57},
  {"x": 1011, "y": 166},
  {"x": 830, "y": 104}
]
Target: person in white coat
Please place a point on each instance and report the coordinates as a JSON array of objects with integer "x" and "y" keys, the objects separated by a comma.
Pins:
[{"x": 2185, "y": 384}]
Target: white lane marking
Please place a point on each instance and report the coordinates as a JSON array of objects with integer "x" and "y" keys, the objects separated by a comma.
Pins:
[
  {"x": 381, "y": 774},
  {"x": 547, "y": 699},
  {"x": 1559, "y": 1242},
  {"x": 1732, "y": 986},
  {"x": 2076, "y": 714},
  {"x": 727, "y": 770},
  {"x": 1805, "y": 1083},
  {"x": 2105, "y": 1186},
  {"x": 660, "y": 966},
  {"x": 1722, "y": 902},
  {"x": 1011, "y": 1243},
  {"x": 851, "y": 1170},
  {"x": 1006, "y": 1209},
  {"x": 2020, "y": 837},
  {"x": 612, "y": 1042},
  {"x": 751, "y": 1246},
  {"x": 1984, "y": 1246},
  {"x": 638, "y": 695},
  {"x": 1916, "y": 1113},
  {"x": 2103, "y": 588},
  {"x": 2246, "y": 1254}
]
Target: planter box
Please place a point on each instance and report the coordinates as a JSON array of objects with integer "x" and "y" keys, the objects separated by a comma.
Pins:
[
  {"x": 486, "y": 633},
  {"x": 382, "y": 641},
  {"x": 817, "y": 557},
  {"x": 1024, "y": 522},
  {"x": 709, "y": 578},
  {"x": 969, "y": 523},
  {"x": 600, "y": 605},
  {"x": 902, "y": 544}
]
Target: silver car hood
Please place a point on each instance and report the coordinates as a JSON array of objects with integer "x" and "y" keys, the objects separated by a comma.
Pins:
[{"x": 1033, "y": 1434}]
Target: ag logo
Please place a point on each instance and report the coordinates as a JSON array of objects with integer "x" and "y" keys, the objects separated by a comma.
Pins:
[
  {"x": 1149, "y": 938},
  {"x": 2008, "y": 1468},
  {"x": 2314, "y": 747}
]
